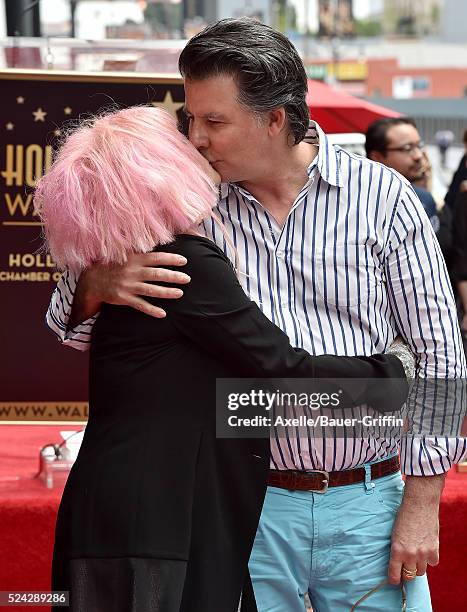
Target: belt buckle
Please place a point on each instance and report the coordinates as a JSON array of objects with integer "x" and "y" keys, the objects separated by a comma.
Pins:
[{"x": 325, "y": 480}]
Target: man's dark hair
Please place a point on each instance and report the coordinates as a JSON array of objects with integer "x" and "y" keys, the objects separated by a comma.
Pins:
[
  {"x": 376, "y": 133},
  {"x": 265, "y": 65}
]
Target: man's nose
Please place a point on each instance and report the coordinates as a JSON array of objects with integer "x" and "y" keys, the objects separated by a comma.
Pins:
[
  {"x": 197, "y": 135},
  {"x": 417, "y": 153}
]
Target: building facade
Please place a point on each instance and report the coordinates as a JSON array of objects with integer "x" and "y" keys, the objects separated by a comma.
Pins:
[{"x": 412, "y": 17}]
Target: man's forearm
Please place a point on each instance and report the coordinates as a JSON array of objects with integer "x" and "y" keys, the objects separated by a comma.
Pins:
[
  {"x": 85, "y": 303},
  {"x": 415, "y": 535},
  {"x": 426, "y": 488}
]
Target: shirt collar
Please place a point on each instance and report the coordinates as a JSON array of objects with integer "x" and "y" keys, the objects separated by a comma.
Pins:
[
  {"x": 328, "y": 163},
  {"x": 328, "y": 160},
  {"x": 223, "y": 190}
]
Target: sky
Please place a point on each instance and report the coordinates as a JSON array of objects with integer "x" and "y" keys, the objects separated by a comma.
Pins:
[
  {"x": 363, "y": 8},
  {"x": 55, "y": 11}
]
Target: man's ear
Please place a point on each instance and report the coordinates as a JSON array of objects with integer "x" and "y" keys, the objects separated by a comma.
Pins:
[
  {"x": 276, "y": 121},
  {"x": 377, "y": 156}
]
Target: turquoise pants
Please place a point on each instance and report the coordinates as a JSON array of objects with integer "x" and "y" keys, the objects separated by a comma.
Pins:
[{"x": 335, "y": 546}]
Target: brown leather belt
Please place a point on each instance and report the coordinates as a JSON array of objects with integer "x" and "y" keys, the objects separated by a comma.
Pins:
[{"x": 318, "y": 481}]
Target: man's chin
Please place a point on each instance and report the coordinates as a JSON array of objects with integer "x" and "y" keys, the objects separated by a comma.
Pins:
[
  {"x": 225, "y": 178},
  {"x": 419, "y": 172},
  {"x": 217, "y": 167}
]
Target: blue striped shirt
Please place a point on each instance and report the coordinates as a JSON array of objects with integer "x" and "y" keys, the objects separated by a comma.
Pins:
[{"x": 355, "y": 264}]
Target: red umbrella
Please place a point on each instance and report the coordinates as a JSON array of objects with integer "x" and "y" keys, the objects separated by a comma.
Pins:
[{"x": 337, "y": 111}]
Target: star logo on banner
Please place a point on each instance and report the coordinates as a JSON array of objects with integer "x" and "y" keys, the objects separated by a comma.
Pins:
[
  {"x": 10, "y": 126},
  {"x": 67, "y": 110},
  {"x": 20, "y": 100},
  {"x": 169, "y": 104},
  {"x": 39, "y": 114}
]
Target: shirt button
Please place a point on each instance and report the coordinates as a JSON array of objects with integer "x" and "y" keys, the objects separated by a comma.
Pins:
[{"x": 280, "y": 254}]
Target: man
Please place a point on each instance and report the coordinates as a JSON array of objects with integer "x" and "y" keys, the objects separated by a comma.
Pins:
[
  {"x": 396, "y": 143},
  {"x": 459, "y": 258},
  {"x": 456, "y": 200},
  {"x": 459, "y": 180},
  {"x": 444, "y": 139},
  {"x": 325, "y": 246}
]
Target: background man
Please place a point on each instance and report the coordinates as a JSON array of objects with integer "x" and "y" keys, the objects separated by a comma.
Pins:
[
  {"x": 334, "y": 249},
  {"x": 396, "y": 143},
  {"x": 456, "y": 200},
  {"x": 444, "y": 139},
  {"x": 459, "y": 180}
]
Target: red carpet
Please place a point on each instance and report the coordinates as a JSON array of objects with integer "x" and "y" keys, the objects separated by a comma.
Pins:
[
  {"x": 448, "y": 580},
  {"x": 28, "y": 511}
]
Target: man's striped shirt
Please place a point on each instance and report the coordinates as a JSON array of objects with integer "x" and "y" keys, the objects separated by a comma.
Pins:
[{"x": 355, "y": 264}]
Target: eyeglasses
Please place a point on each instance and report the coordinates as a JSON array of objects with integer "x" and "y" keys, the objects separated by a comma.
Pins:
[
  {"x": 408, "y": 148},
  {"x": 376, "y": 588}
]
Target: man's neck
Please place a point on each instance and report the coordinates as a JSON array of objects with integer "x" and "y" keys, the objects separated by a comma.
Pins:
[{"x": 282, "y": 182}]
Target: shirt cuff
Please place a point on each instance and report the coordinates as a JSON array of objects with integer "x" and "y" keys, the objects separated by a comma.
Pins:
[{"x": 431, "y": 455}]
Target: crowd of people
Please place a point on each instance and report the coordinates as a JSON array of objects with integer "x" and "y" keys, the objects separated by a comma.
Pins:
[{"x": 396, "y": 143}]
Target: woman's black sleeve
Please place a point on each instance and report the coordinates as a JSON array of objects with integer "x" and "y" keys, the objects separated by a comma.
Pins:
[{"x": 216, "y": 314}]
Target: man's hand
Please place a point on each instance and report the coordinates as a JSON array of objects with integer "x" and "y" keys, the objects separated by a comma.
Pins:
[
  {"x": 415, "y": 535},
  {"x": 124, "y": 285}
]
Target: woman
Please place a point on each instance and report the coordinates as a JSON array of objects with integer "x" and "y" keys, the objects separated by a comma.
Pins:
[{"x": 158, "y": 514}]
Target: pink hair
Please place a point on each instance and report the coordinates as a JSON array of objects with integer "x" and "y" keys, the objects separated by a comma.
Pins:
[{"x": 122, "y": 183}]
